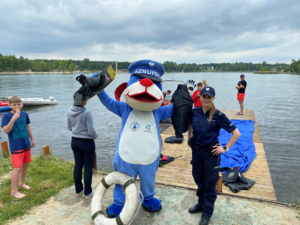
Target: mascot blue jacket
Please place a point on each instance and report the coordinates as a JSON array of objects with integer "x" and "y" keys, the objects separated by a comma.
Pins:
[{"x": 139, "y": 143}]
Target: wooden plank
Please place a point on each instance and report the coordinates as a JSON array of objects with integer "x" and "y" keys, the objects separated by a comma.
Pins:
[{"x": 179, "y": 172}]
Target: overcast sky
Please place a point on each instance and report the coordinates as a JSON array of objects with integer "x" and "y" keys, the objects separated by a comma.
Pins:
[{"x": 191, "y": 31}]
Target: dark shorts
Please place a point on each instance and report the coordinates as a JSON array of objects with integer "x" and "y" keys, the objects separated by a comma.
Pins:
[
  {"x": 240, "y": 96},
  {"x": 18, "y": 158}
]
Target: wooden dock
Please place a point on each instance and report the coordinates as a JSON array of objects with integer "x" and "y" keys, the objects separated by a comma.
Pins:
[{"x": 179, "y": 172}]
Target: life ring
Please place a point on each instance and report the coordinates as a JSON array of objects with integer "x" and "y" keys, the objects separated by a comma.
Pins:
[{"x": 131, "y": 201}]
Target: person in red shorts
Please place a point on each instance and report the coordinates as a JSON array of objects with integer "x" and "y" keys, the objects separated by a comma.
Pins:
[
  {"x": 241, "y": 86},
  {"x": 16, "y": 125},
  {"x": 196, "y": 96}
]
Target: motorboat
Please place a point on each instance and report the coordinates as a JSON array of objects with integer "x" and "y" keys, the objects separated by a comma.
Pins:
[
  {"x": 39, "y": 101},
  {"x": 28, "y": 102},
  {"x": 172, "y": 85}
]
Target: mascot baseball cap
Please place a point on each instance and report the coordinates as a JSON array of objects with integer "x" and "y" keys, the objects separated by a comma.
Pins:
[
  {"x": 148, "y": 69},
  {"x": 242, "y": 75},
  {"x": 208, "y": 91}
]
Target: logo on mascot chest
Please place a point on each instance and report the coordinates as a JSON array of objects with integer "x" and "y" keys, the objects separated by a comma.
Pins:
[
  {"x": 134, "y": 126},
  {"x": 148, "y": 129}
]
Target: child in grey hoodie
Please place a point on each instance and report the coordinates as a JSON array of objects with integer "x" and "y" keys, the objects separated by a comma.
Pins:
[{"x": 80, "y": 122}]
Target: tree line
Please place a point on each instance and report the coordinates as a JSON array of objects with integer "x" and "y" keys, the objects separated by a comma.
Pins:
[
  {"x": 295, "y": 66},
  {"x": 225, "y": 67},
  {"x": 10, "y": 63}
]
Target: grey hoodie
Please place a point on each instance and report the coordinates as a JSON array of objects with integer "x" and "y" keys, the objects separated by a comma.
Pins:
[{"x": 80, "y": 122}]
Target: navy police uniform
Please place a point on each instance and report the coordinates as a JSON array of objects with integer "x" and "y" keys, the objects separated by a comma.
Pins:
[{"x": 205, "y": 135}]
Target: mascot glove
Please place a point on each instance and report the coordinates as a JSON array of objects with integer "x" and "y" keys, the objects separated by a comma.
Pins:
[{"x": 190, "y": 85}]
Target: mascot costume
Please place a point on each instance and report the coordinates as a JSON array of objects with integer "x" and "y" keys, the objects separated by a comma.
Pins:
[{"x": 139, "y": 143}]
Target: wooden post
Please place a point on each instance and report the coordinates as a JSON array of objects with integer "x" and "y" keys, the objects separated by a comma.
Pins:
[
  {"x": 95, "y": 161},
  {"x": 220, "y": 182},
  {"x": 4, "y": 147},
  {"x": 46, "y": 150}
]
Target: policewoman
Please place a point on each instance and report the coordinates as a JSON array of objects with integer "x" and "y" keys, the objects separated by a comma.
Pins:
[{"x": 204, "y": 128}]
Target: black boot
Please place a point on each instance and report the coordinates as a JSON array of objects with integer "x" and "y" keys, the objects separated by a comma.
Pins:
[
  {"x": 204, "y": 220},
  {"x": 194, "y": 210}
]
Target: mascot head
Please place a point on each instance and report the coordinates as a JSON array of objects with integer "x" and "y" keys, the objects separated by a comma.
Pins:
[{"x": 143, "y": 91}]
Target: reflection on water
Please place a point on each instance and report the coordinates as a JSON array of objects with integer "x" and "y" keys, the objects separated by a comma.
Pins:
[{"x": 274, "y": 99}]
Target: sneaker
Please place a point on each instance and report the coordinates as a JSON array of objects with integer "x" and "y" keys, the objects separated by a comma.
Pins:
[
  {"x": 90, "y": 195},
  {"x": 80, "y": 193}
]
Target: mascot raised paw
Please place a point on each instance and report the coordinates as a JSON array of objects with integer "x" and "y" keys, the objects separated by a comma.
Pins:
[{"x": 139, "y": 143}]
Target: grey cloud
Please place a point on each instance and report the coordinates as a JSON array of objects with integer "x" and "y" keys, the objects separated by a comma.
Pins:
[{"x": 32, "y": 26}]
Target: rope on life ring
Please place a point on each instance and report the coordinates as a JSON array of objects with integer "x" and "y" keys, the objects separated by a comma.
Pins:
[{"x": 131, "y": 201}]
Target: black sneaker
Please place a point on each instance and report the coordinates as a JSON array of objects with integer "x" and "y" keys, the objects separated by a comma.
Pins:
[
  {"x": 195, "y": 209},
  {"x": 204, "y": 220}
]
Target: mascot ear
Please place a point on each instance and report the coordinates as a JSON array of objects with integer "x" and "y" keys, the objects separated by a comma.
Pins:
[{"x": 119, "y": 90}]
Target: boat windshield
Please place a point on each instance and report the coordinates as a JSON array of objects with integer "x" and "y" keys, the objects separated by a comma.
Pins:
[
  {"x": 168, "y": 97},
  {"x": 170, "y": 85}
]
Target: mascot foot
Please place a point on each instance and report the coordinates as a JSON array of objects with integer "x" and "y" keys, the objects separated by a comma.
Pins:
[
  {"x": 152, "y": 205},
  {"x": 114, "y": 210}
]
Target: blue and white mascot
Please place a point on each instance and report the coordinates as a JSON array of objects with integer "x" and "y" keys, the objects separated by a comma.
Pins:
[{"x": 139, "y": 143}]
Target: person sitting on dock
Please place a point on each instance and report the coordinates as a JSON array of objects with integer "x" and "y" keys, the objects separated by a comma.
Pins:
[
  {"x": 241, "y": 86},
  {"x": 196, "y": 95},
  {"x": 205, "y": 125},
  {"x": 80, "y": 122},
  {"x": 168, "y": 92},
  {"x": 16, "y": 125}
]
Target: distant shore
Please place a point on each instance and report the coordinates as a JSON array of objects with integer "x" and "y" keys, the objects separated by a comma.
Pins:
[
  {"x": 120, "y": 71},
  {"x": 66, "y": 72}
]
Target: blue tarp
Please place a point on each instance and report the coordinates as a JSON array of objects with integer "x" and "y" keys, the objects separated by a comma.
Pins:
[{"x": 242, "y": 153}]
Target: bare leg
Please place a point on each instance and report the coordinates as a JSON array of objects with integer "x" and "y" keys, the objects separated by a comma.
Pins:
[
  {"x": 14, "y": 183},
  {"x": 22, "y": 177},
  {"x": 242, "y": 107}
]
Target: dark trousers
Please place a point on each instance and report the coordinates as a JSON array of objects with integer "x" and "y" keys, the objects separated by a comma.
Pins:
[
  {"x": 206, "y": 178},
  {"x": 84, "y": 151},
  {"x": 178, "y": 134}
]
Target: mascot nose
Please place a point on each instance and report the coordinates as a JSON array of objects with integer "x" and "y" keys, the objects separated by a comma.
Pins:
[{"x": 146, "y": 82}]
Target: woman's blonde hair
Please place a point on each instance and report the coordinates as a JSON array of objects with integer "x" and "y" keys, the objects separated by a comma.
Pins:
[
  {"x": 212, "y": 112},
  {"x": 204, "y": 83}
]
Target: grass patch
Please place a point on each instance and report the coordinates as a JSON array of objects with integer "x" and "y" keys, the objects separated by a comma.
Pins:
[
  {"x": 297, "y": 202},
  {"x": 46, "y": 176},
  {"x": 5, "y": 165}
]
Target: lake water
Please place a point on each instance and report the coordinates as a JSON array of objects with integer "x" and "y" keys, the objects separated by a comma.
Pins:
[{"x": 274, "y": 99}]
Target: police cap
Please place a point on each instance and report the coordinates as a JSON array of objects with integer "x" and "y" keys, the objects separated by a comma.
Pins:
[{"x": 208, "y": 91}]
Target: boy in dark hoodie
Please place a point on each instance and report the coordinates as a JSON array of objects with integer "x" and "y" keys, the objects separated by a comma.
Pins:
[{"x": 80, "y": 122}]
